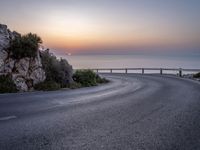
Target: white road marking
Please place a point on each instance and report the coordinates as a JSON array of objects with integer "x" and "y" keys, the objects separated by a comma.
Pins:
[{"x": 7, "y": 118}]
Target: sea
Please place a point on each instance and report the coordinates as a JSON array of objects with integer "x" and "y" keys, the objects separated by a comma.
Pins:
[{"x": 186, "y": 61}]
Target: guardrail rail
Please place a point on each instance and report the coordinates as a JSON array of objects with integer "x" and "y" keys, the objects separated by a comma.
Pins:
[{"x": 142, "y": 70}]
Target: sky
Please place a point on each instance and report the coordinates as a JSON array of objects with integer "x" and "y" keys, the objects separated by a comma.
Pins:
[{"x": 107, "y": 26}]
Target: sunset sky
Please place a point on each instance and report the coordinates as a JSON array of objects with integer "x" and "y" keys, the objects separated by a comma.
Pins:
[{"x": 79, "y": 26}]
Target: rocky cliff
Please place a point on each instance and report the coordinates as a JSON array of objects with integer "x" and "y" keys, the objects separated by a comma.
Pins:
[{"x": 25, "y": 72}]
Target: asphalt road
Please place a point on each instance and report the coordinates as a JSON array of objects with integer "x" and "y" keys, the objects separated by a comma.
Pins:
[{"x": 133, "y": 112}]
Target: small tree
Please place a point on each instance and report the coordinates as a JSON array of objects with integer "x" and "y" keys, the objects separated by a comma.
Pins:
[
  {"x": 65, "y": 72},
  {"x": 25, "y": 46},
  {"x": 56, "y": 70}
]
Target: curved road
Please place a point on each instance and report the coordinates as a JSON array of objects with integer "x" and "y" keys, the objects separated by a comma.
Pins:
[{"x": 141, "y": 112}]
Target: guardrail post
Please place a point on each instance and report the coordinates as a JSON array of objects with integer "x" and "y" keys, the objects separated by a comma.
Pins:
[
  {"x": 126, "y": 70},
  {"x": 180, "y": 72},
  {"x": 110, "y": 70},
  {"x": 142, "y": 70},
  {"x": 161, "y": 71},
  {"x": 97, "y": 70}
]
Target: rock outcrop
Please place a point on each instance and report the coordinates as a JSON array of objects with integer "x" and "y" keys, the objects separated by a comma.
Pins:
[{"x": 25, "y": 72}]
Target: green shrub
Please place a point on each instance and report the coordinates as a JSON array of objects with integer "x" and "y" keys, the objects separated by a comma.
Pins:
[
  {"x": 101, "y": 80},
  {"x": 85, "y": 77},
  {"x": 88, "y": 78},
  {"x": 56, "y": 70},
  {"x": 25, "y": 46},
  {"x": 7, "y": 85},
  {"x": 74, "y": 85},
  {"x": 47, "y": 86},
  {"x": 197, "y": 75}
]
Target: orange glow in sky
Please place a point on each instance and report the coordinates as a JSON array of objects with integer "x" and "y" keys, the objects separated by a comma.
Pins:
[{"x": 74, "y": 26}]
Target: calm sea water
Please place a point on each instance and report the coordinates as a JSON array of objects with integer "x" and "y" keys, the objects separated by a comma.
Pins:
[{"x": 131, "y": 61}]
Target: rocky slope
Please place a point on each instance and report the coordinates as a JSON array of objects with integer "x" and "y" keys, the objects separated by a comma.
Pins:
[{"x": 25, "y": 72}]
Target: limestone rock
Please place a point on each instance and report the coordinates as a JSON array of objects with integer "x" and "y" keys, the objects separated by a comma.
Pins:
[
  {"x": 4, "y": 37},
  {"x": 22, "y": 66},
  {"x": 37, "y": 75},
  {"x": 36, "y": 62},
  {"x": 3, "y": 56},
  {"x": 21, "y": 84},
  {"x": 25, "y": 72},
  {"x": 9, "y": 65}
]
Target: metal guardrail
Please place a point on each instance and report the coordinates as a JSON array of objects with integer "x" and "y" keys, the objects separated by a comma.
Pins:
[{"x": 161, "y": 70}]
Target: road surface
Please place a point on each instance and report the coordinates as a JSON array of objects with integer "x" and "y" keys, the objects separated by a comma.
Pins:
[{"x": 140, "y": 112}]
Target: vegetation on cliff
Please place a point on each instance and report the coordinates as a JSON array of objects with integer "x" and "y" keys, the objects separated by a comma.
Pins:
[
  {"x": 7, "y": 85},
  {"x": 47, "y": 86},
  {"x": 25, "y": 46},
  {"x": 58, "y": 72}
]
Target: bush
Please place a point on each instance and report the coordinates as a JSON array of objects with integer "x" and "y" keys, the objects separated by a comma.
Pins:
[
  {"x": 101, "y": 80},
  {"x": 25, "y": 46},
  {"x": 7, "y": 85},
  {"x": 88, "y": 78},
  {"x": 85, "y": 77},
  {"x": 74, "y": 85},
  {"x": 56, "y": 70},
  {"x": 197, "y": 75},
  {"x": 47, "y": 86}
]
